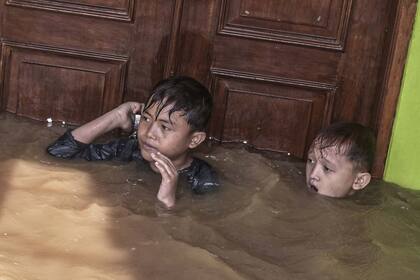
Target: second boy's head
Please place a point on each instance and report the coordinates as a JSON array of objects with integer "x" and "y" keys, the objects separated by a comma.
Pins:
[
  {"x": 340, "y": 160},
  {"x": 174, "y": 118}
]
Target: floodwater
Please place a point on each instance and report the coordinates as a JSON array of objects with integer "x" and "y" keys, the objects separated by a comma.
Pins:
[{"x": 72, "y": 219}]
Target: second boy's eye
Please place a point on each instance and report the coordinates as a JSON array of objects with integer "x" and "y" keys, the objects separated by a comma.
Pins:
[
  {"x": 310, "y": 161},
  {"x": 327, "y": 169}
]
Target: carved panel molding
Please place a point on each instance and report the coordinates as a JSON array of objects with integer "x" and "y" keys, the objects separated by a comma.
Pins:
[
  {"x": 270, "y": 113},
  {"x": 314, "y": 23},
  {"x": 40, "y": 82},
  {"x": 116, "y": 10}
]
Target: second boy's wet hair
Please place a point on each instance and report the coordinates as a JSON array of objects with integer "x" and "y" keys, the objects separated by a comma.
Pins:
[
  {"x": 352, "y": 140},
  {"x": 187, "y": 96}
]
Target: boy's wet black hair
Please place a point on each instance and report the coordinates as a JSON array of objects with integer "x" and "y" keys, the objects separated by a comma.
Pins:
[
  {"x": 352, "y": 140},
  {"x": 187, "y": 96}
]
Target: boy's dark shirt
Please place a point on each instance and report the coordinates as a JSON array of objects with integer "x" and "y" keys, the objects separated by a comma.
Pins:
[{"x": 200, "y": 175}]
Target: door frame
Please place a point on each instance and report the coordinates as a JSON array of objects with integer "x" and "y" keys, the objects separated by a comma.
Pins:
[{"x": 399, "y": 41}]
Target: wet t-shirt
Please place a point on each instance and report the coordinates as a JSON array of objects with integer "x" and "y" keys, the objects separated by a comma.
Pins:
[{"x": 200, "y": 175}]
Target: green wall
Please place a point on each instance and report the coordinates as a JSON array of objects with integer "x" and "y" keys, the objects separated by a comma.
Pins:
[{"x": 403, "y": 162}]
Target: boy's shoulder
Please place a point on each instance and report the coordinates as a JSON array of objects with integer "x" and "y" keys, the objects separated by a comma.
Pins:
[{"x": 201, "y": 176}]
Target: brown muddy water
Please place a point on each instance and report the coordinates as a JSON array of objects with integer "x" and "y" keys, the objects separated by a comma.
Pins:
[{"x": 99, "y": 220}]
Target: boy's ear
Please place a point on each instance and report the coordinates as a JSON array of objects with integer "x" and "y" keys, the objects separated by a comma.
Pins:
[
  {"x": 197, "y": 138},
  {"x": 362, "y": 180}
]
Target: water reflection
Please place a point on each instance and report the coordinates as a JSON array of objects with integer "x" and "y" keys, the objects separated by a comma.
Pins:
[{"x": 66, "y": 219}]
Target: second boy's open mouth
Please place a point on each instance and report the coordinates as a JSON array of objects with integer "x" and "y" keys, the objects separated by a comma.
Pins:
[{"x": 313, "y": 188}]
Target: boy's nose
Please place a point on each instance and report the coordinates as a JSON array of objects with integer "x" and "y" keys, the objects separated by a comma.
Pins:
[
  {"x": 314, "y": 173},
  {"x": 151, "y": 132}
]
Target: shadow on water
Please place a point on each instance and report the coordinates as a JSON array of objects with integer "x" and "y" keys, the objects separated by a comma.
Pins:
[{"x": 83, "y": 219}]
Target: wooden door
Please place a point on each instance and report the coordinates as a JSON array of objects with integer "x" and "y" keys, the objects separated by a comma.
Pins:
[{"x": 279, "y": 70}]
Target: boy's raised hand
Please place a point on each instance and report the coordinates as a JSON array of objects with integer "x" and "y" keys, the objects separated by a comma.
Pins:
[
  {"x": 120, "y": 117},
  {"x": 125, "y": 112},
  {"x": 169, "y": 181}
]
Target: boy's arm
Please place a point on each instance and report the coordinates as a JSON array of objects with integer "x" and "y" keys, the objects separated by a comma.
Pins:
[
  {"x": 119, "y": 117},
  {"x": 68, "y": 146}
]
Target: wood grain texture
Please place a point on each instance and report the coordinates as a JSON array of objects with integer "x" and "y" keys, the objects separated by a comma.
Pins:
[
  {"x": 312, "y": 23},
  {"x": 117, "y": 9},
  {"x": 73, "y": 87}
]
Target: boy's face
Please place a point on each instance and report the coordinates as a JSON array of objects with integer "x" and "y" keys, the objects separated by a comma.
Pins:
[
  {"x": 330, "y": 173},
  {"x": 171, "y": 137}
]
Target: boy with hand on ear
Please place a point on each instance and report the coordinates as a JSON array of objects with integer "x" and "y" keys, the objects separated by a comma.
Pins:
[
  {"x": 340, "y": 160},
  {"x": 173, "y": 121}
]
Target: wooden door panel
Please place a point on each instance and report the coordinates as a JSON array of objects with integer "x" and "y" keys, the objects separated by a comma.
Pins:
[
  {"x": 271, "y": 115},
  {"x": 318, "y": 23},
  {"x": 287, "y": 65},
  {"x": 272, "y": 59},
  {"x": 75, "y": 88},
  {"x": 80, "y": 32},
  {"x": 116, "y": 9},
  {"x": 292, "y": 117}
]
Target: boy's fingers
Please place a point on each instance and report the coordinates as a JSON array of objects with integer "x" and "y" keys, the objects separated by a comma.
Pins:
[
  {"x": 165, "y": 163},
  {"x": 165, "y": 171},
  {"x": 135, "y": 108},
  {"x": 169, "y": 170},
  {"x": 164, "y": 160},
  {"x": 161, "y": 169},
  {"x": 139, "y": 107}
]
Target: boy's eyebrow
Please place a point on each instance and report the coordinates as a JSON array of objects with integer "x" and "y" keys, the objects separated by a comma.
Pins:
[
  {"x": 166, "y": 121},
  {"x": 146, "y": 111},
  {"x": 160, "y": 118},
  {"x": 328, "y": 161}
]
